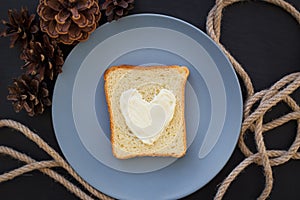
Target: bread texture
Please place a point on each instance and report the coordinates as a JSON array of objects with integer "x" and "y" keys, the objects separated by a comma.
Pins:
[{"x": 148, "y": 81}]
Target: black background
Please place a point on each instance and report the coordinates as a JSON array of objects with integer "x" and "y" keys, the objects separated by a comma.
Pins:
[{"x": 262, "y": 37}]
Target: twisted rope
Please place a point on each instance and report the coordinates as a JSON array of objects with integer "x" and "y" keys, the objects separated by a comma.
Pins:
[
  {"x": 44, "y": 166},
  {"x": 266, "y": 99}
]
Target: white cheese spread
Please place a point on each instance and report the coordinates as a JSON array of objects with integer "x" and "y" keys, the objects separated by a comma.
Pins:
[{"x": 147, "y": 120}]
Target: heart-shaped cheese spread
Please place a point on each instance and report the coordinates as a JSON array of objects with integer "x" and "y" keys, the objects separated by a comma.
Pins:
[{"x": 147, "y": 120}]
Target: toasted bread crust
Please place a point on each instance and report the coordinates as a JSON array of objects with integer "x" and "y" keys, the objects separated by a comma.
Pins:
[{"x": 128, "y": 67}]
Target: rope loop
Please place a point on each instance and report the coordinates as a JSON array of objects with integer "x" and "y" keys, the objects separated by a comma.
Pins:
[{"x": 265, "y": 99}]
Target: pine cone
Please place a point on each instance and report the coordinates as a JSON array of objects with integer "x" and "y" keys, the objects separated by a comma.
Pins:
[
  {"x": 68, "y": 20},
  {"x": 115, "y": 9},
  {"x": 43, "y": 58},
  {"x": 28, "y": 93},
  {"x": 21, "y": 27}
]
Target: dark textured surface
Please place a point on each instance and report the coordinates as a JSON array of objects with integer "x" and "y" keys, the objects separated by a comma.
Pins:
[{"x": 262, "y": 37}]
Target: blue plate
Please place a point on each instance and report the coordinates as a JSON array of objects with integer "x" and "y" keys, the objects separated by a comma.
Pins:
[{"x": 213, "y": 107}]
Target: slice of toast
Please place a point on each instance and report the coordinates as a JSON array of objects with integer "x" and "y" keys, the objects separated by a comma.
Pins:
[{"x": 148, "y": 81}]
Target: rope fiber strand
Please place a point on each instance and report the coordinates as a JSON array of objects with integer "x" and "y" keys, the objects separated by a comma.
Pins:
[
  {"x": 252, "y": 122},
  {"x": 266, "y": 99}
]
